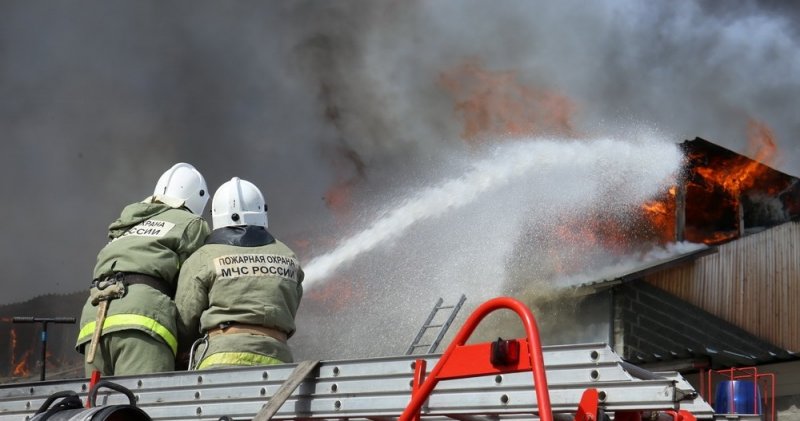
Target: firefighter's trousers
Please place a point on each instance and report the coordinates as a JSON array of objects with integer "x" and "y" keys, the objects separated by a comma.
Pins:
[{"x": 130, "y": 352}]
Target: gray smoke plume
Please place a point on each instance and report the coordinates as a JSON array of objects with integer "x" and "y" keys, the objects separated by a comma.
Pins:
[{"x": 313, "y": 99}]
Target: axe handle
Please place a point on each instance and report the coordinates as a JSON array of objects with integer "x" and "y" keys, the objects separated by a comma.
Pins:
[{"x": 102, "y": 309}]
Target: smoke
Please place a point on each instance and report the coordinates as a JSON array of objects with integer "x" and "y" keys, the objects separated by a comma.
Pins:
[
  {"x": 98, "y": 98},
  {"x": 478, "y": 232},
  {"x": 626, "y": 264}
]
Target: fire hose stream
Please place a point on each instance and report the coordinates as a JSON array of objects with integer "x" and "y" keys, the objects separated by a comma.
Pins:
[{"x": 649, "y": 163}]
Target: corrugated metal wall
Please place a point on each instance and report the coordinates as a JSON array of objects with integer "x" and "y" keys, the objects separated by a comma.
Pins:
[{"x": 753, "y": 283}]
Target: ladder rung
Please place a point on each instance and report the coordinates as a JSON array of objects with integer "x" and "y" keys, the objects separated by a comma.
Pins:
[{"x": 441, "y": 326}]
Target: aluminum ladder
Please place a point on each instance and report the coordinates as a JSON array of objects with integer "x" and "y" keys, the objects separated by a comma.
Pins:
[
  {"x": 517, "y": 379},
  {"x": 429, "y": 324},
  {"x": 363, "y": 389}
]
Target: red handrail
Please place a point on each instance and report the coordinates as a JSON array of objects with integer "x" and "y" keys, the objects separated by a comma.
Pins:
[{"x": 534, "y": 347}]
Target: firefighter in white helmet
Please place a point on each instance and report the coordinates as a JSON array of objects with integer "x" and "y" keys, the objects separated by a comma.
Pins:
[
  {"x": 128, "y": 324},
  {"x": 238, "y": 294}
]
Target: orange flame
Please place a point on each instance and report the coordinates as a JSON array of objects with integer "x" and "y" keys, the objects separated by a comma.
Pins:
[
  {"x": 741, "y": 173},
  {"x": 717, "y": 182},
  {"x": 496, "y": 103},
  {"x": 735, "y": 179},
  {"x": 21, "y": 368},
  {"x": 661, "y": 215},
  {"x": 579, "y": 240},
  {"x": 337, "y": 198},
  {"x": 761, "y": 142},
  {"x": 13, "y": 340},
  {"x": 350, "y": 169},
  {"x": 337, "y": 294}
]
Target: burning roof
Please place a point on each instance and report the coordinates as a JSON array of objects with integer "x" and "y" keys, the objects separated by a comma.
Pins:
[
  {"x": 720, "y": 196},
  {"x": 723, "y": 195}
]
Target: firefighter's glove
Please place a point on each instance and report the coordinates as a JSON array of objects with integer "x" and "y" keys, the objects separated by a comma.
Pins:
[{"x": 107, "y": 289}]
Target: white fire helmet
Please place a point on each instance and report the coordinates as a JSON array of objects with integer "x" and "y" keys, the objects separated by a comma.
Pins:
[
  {"x": 238, "y": 202},
  {"x": 185, "y": 183}
]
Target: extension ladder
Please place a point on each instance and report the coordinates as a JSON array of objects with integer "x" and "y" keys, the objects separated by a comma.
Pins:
[
  {"x": 479, "y": 380},
  {"x": 443, "y": 326}
]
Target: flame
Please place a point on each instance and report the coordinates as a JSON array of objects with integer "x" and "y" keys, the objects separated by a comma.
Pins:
[
  {"x": 715, "y": 237},
  {"x": 302, "y": 246},
  {"x": 338, "y": 198},
  {"x": 578, "y": 242},
  {"x": 349, "y": 170},
  {"x": 761, "y": 142},
  {"x": 337, "y": 294},
  {"x": 496, "y": 103},
  {"x": 21, "y": 368},
  {"x": 735, "y": 179},
  {"x": 13, "y": 341},
  {"x": 740, "y": 173},
  {"x": 715, "y": 186},
  {"x": 661, "y": 215}
]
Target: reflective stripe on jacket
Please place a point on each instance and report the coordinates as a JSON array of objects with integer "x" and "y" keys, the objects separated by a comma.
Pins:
[
  {"x": 131, "y": 321},
  {"x": 151, "y": 238}
]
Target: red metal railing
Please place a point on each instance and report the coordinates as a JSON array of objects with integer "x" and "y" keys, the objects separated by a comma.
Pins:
[
  {"x": 460, "y": 360},
  {"x": 763, "y": 392}
]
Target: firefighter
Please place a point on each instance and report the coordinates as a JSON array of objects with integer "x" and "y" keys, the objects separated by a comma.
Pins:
[
  {"x": 238, "y": 295},
  {"x": 128, "y": 324}
]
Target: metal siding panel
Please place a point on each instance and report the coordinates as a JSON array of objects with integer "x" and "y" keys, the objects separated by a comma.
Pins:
[{"x": 752, "y": 282}]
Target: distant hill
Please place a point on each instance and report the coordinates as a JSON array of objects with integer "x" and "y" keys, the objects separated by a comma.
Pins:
[{"x": 21, "y": 343}]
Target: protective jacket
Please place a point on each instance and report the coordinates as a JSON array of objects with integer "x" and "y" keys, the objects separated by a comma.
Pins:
[
  {"x": 150, "y": 238},
  {"x": 241, "y": 276}
]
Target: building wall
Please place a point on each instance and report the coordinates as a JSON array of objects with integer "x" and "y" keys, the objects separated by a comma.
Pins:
[
  {"x": 752, "y": 282},
  {"x": 653, "y": 326}
]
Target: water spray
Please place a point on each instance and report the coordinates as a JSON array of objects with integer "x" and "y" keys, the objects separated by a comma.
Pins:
[{"x": 643, "y": 166}]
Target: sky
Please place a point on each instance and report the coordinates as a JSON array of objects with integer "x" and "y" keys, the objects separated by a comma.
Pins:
[{"x": 335, "y": 108}]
